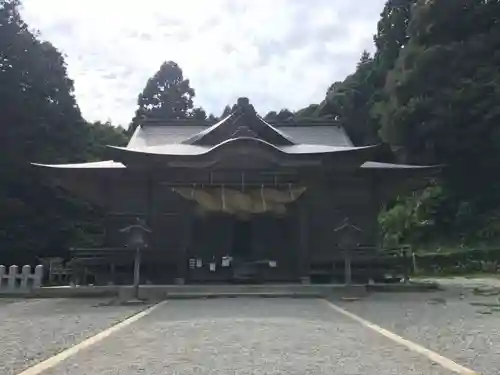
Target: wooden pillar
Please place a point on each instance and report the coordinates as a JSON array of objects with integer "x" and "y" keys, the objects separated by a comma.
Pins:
[
  {"x": 376, "y": 207},
  {"x": 150, "y": 211},
  {"x": 182, "y": 257},
  {"x": 348, "y": 271},
  {"x": 303, "y": 258},
  {"x": 137, "y": 272},
  {"x": 150, "y": 201},
  {"x": 107, "y": 212},
  {"x": 112, "y": 270}
]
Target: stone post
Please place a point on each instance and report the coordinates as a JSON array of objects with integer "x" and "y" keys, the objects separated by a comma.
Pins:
[
  {"x": 2, "y": 275},
  {"x": 38, "y": 279},
  {"x": 12, "y": 281},
  {"x": 347, "y": 242},
  {"x": 25, "y": 276}
]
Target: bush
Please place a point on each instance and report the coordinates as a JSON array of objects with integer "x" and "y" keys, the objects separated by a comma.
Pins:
[{"x": 459, "y": 262}]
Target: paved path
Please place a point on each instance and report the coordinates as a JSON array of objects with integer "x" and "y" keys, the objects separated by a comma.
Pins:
[{"x": 246, "y": 336}]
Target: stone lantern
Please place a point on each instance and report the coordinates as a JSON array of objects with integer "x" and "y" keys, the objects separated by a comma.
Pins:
[
  {"x": 348, "y": 240},
  {"x": 136, "y": 240}
]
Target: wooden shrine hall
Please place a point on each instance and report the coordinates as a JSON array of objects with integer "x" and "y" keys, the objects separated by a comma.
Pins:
[{"x": 238, "y": 201}]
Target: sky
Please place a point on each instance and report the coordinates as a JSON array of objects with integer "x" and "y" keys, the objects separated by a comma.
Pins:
[{"x": 278, "y": 53}]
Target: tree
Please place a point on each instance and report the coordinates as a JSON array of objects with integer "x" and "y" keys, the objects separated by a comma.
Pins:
[
  {"x": 392, "y": 33},
  {"x": 226, "y": 112},
  {"x": 39, "y": 121},
  {"x": 166, "y": 96},
  {"x": 101, "y": 134},
  {"x": 271, "y": 116},
  {"x": 36, "y": 96},
  {"x": 442, "y": 106},
  {"x": 353, "y": 101},
  {"x": 309, "y": 111},
  {"x": 212, "y": 119},
  {"x": 350, "y": 102},
  {"x": 199, "y": 114},
  {"x": 283, "y": 115}
]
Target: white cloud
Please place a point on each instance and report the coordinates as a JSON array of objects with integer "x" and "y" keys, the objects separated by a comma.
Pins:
[{"x": 279, "y": 53}]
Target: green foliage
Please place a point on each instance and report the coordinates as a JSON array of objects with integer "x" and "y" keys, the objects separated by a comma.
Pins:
[
  {"x": 277, "y": 117},
  {"x": 413, "y": 219},
  {"x": 441, "y": 106},
  {"x": 226, "y": 112},
  {"x": 101, "y": 134},
  {"x": 199, "y": 114},
  {"x": 466, "y": 261},
  {"x": 349, "y": 102},
  {"x": 431, "y": 92},
  {"x": 39, "y": 121},
  {"x": 309, "y": 111},
  {"x": 167, "y": 96}
]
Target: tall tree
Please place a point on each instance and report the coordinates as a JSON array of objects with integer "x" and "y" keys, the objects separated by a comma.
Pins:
[
  {"x": 442, "y": 106},
  {"x": 101, "y": 134},
  {"x": 350, "y": 102},
  {"x": 226, "y": 111},
  {"x": 281, "y": 116},
  {"x": 353, "y": 101},
  {"x": 39, "y": 121},
  {"x": 199, "y": 114},
  {"x": 310, "y": 111},
  {"x": 212, "y": 119},
  {"x": 167, "y": 96},
  {"x": 392, "y": 33}
]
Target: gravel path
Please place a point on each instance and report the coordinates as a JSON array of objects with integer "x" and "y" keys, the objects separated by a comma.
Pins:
[
  {"x": 33, "y": 330},
  {"x": 246, "y": 336},
  {"x": 445, "y": 322}
]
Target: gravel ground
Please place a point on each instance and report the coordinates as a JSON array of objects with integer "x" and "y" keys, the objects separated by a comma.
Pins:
[
  {"x": 246, "y": 336},
  {"x": 465, "y": 282},
  {"x": 443, "y": 321},
  {"x": 33, "y": 330}
]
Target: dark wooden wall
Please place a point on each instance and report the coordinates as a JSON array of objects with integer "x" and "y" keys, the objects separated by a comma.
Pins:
[{"x": 310, "y": 222}]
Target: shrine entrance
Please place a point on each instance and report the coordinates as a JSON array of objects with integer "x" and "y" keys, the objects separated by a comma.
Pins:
[
  {"x": 242, "y": 239},
  {"x": 228, "y": 248}
]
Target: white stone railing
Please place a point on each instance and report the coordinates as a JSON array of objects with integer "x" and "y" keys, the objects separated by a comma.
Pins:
[{"x": 12, "y": 280}]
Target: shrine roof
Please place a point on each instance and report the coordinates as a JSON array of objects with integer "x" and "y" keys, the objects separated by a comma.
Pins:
[
  {"x": 241, "y": 132},
  {"x": 305, "y": 133},
  {"x": 106, "y": 164},
  {"x": 378, "y": 165},
  {"x": 194, "y": 150},
  {"x": 110, "y": 164},
  {"x": 243, "y": 122}
]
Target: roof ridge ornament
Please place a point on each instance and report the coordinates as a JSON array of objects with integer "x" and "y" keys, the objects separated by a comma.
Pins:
[{"x": 243, "y": 106}]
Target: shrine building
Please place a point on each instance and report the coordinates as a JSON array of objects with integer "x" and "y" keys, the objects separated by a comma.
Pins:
[{"x": 238, "y": 201}]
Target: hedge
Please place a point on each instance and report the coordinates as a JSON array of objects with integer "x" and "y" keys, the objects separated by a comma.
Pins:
[{"x": 459, "y": 262}]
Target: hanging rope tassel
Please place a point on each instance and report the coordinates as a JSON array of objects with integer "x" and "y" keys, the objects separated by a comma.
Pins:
[
  {"x": 264, "y": 205},
  {"x": 291, "y": 192},
  {"x": 223, "y": 198}
]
